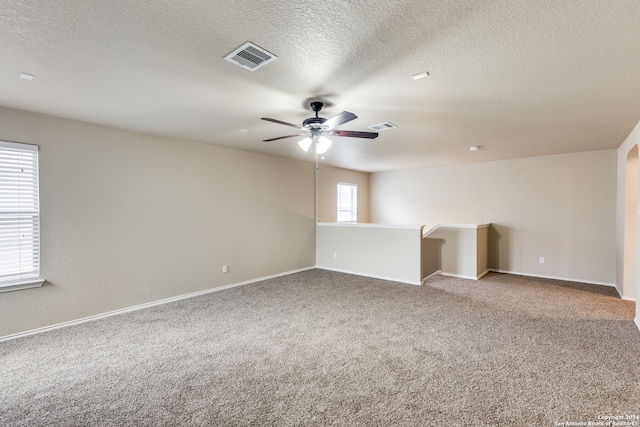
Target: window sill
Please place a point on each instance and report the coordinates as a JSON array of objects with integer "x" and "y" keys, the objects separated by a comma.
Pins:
[{"x": 25, "y": 284}]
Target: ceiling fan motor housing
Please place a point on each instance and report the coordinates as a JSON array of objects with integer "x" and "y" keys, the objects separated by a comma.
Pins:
[
  {"x": 316, "y": 106},
  {"x": 313, "y": 122}
]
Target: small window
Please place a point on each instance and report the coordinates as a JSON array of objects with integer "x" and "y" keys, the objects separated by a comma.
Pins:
[
  {"x": 19, "y": 216},
  {"x": 347, "y": 202}
]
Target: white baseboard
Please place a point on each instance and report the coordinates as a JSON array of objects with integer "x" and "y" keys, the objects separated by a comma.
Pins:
[
  {"x": 373, "y": 276},
  {"x": 637, "y": 322},
  {"x": 566, "y": 279},
  {"x": 622, "y": 296},
  {"x": 569, "y": 279},
  {"x": 481, "y": 275},
  {"x": 435, "y": 273},
  {"x": 618, "y": 290},
  {"x": 145, "y": 305},
  {"x": 459, "y": 276}
]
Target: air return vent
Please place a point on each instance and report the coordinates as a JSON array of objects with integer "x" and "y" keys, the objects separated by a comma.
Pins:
[
  {"x": 382, "y": 126},
  {"x": 250, "y": 56}
]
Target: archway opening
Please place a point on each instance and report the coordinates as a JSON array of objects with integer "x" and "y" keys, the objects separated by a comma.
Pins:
[{"x": 630, "y": 224}]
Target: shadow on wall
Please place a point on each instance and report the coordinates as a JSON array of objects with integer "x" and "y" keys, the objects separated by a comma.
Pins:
[
  {"x": 497, "y": 252},
  {"x": 498, "y": 247},
  {"x": 431, "y": 256}
]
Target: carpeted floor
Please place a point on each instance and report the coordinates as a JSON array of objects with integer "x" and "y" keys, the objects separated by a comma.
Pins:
[{"x": 325, "y": 348}]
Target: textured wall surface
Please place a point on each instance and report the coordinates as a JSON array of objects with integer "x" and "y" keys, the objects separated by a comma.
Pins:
[
  {"x": 129, "y": 218},
  {"x": 560, "y": 207}
]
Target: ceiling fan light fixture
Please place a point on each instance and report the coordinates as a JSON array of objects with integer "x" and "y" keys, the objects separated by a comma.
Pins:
[
  {"x": 305, "y": 144},
  {"x": 323, "y": 144},
  {"x": 317, "y": 127}
]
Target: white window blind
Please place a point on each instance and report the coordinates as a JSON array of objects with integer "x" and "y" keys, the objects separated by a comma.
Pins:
[
  {"x": 347, "y": 202},
  {"x": 19, "y": 214}
]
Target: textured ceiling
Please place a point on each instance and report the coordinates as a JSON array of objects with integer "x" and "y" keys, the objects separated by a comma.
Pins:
[{"x": 518, "y": 78}]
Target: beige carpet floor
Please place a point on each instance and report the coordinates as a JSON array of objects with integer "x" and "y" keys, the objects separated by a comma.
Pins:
[{"x": 326, "y": 348}]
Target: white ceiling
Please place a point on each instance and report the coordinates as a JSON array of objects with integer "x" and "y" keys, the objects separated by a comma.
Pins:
[{"x": 516, "y": 77}]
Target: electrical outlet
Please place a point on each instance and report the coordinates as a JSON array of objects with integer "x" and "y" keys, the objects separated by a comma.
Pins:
[
  {"x": 335, "y": 254},
  {"x": 541, "y": 260},
  {"x": 225, "y": 268}
]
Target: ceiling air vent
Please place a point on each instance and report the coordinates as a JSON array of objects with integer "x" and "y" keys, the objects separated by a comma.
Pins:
[
  {"x": 382, "y": 126},
  {"x": 250, "y": 56}
]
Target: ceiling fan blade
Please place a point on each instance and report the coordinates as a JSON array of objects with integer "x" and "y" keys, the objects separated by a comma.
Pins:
[
  {"x": 282, "y": 123},
  {"x": 283, "y": 137},
  {"x": 354, "y": 134},
  {"x": 338, "y": 119}
]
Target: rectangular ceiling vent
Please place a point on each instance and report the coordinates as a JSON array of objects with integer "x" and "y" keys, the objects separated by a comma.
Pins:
[
  {"x": 383, "y": 126},
  {"x": 250, "y": 56}
]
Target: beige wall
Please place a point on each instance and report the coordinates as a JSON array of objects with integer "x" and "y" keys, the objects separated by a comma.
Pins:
[
  {"x": 129, "y": 218},
  {"x": 459, "y": 250},
  {"x": 560, "y": 207},
  {"x": 483, "y": 251},
  {"x": 431, "y": 256},
  {"x": 328, "y": 179},
  {"x": 386, "y": 252}
]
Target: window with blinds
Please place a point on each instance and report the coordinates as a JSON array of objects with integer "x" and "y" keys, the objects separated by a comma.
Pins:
[
  {"x": 19, "y": 216},
  {"x": 347, "y": 202}
]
